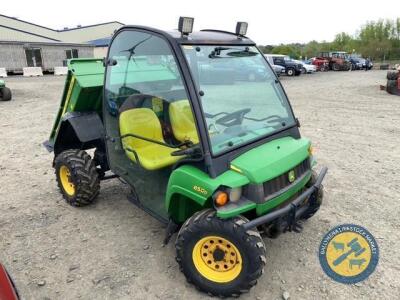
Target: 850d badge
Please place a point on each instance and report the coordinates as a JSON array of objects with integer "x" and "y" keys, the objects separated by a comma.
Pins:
[{"x": 348, "y": 253}]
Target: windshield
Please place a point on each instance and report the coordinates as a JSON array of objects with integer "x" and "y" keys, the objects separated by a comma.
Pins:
[{"x": 241, "y": 97}]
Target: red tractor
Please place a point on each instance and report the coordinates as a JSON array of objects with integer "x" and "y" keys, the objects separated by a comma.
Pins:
[
  {"x": 320, "y": 63},
  {"x": 337, "y": 60}
]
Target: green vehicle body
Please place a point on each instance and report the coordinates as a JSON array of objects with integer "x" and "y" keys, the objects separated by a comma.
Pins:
[
  {"x": 2, "y": 84},
  {"x": 189, "y": 189}
]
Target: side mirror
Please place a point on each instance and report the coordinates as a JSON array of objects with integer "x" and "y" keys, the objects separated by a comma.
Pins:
[
  {"x": 298, "y": 123},
  {"x": 109, "y": 62}
]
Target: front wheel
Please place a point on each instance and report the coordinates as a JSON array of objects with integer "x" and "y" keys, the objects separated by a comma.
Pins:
[
  {"x": 5, "y": 94},
  {"x": 77, "y": 177},
  {"x": 290, "y": 72},
  {"x": 218, "y": 256}
]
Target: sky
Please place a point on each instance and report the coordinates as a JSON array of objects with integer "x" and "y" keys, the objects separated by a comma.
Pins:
[{"x": 270, "y": 23}]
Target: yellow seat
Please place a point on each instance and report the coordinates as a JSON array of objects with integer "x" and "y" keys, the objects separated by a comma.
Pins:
[
  {"x": 182, "y": 121},
  {"x": 144, "y": 122}
]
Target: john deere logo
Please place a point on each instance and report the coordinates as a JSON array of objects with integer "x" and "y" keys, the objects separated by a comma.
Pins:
[
  {"x": 291, "y": 176},
  {"x": 348, "y": 253}
]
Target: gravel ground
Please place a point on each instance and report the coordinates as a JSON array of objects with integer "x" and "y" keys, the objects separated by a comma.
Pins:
[{"x": 113, "y": 250}]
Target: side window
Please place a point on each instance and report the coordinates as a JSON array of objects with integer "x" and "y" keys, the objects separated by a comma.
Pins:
[{"x": 144, "y": 85}]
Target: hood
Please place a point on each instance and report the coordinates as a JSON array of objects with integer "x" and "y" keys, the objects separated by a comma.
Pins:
[{"x": 271, "y": 159}]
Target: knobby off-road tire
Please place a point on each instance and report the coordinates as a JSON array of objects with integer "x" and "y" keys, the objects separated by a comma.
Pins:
[
  {"x": 206, "y": 241},
  {"x": 5, "y": 94},
  {"x": 391, "y": 87},
  {"x": 392, "y": 75},
  {"x": 77, "y": 177},
  {"x": 336, "y": 67}
]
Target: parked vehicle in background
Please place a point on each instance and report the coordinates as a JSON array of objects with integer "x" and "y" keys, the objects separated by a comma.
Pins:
[
  {"x": 278, "y": 69},
  {"x": 306, "y": 68},
  {"x": 337, "y": 60},
  {"x": 356, "y": 63},
  {"x": 366, "y": 63},
  {"x": 291, "y": 68},
  {"x": 226, "y": 70},
  {"x": 321, "y": 64}
]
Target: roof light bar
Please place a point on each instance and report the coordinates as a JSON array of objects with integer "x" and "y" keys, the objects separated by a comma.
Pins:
[{"x": 185, "y": 25}]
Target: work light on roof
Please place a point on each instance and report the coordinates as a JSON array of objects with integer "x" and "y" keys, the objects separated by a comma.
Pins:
[
  {"x": 241, "y": 28},
  {"x": 185, "y": 25}
]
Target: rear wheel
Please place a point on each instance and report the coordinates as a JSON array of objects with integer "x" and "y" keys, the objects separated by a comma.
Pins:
[
  {"x": 5, "y": 94},
  {"x": 218, "y": 256},
  {"x": 77, "y": 177},
  {"x": 336, "y": 67},
  {"x": 303, "y": 71}
]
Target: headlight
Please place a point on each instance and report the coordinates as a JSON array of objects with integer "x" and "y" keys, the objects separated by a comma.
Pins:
[
  {"x": 226, "y": 195},
  {"x": 235, "y": 194},
  {"x": 311, "y": 150}
]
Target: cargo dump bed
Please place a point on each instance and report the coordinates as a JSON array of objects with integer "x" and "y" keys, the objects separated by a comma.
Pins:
[{"x": 82, "y": 91}]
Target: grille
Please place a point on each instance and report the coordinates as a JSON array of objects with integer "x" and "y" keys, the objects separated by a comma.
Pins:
[{"x": 282, "y": 181}]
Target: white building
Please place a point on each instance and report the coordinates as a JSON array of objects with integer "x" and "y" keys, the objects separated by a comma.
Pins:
[{"x": 24, "y": 44}]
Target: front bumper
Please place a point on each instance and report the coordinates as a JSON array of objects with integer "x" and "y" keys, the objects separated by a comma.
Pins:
[{"x": 294, "y": 210}]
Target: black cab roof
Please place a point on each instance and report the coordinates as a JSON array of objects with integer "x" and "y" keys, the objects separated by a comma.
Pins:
[
  {"x": 202, "y": 37},
  {"x": 211, "y": 36}
]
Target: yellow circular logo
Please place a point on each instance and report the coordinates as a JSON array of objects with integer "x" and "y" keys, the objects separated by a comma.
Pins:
[
  {"x": 348, "y": 253},
  {"x": 291, "y": 176}
]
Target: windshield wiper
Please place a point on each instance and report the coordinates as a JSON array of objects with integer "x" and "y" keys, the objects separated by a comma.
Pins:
[{"x": 217, "y": 51}]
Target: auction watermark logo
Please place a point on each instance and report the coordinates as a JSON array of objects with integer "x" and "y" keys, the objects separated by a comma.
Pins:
[{"x": 348, "y": 253}]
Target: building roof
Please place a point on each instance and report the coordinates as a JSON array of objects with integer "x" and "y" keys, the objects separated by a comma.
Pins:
[
  {"x": 13, "y": 29},
  {"x": 100, "y": 42},
  {"x": 16, "y": 35}
]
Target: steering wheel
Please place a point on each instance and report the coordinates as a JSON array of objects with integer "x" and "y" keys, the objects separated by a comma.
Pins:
[{"x": 234, "y": 118}]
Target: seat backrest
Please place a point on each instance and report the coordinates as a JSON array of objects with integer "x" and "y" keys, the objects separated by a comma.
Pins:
[
  {"x": 182, "y": 121},
  {"x": 140, "y": 121}
]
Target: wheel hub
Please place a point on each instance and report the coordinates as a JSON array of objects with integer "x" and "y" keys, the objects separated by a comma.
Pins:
[
  {"x": 218, "y": 255},
  {"x": 66, "y": 182},
  {"x": 217, "y": 259}
]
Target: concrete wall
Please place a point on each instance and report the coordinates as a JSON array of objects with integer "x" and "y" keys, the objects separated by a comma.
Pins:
[
  {"x": 100, "y": 52},
  {"x": 12, "y": 56}
]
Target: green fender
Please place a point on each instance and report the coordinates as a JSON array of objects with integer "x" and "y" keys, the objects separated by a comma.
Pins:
[{"x": 190, "y": 189}]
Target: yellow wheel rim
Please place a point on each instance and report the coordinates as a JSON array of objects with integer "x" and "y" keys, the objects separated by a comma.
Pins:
[
  {"x": 217, "y": 259},
  {"x": 66, "y": 182}
]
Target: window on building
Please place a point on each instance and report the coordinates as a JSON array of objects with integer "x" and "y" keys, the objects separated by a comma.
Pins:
[
  {"x": 71, "y": 53},
  {"x": 33, "y": 57}
]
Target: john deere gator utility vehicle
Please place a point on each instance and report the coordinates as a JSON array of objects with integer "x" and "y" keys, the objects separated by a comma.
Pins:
[
  {"x": 5, "y": 92},
  {"x": 215, "y": 155}
]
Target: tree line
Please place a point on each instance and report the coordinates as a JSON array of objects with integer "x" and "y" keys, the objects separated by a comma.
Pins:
[{"x": 377, "y": 40}]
